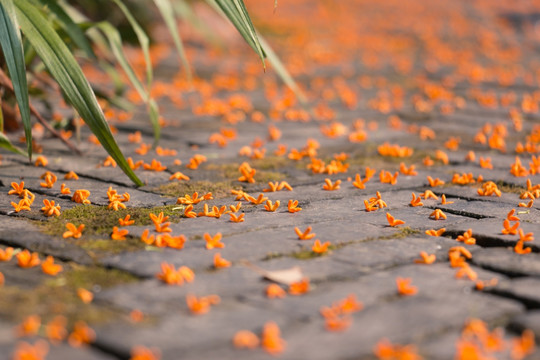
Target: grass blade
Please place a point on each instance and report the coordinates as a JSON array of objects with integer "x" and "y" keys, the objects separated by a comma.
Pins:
[
  {"x": 10, "y": 41},
  {"x": 236, "y": 12},
  {"x": 70, "y": 27},
  {"x": 6, "y": 144},
  {"x": 115, "y": 42},
  {"x": 167, "y": 12},
  {"x": 65, "y": 70},
  {"x": 143, "y": 40},
  {"x": 282, "y": 72}
]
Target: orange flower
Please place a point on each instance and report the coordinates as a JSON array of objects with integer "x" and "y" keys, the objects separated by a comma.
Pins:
[
  {"x": 247, "y": 173},
  {"x": 64, "y": 190},
  {"x": 149, "y": 240},
  {"x": 82, "y": 334},
  {"x": 292, "y": 206},
  {"x": 329, "y": 186},
  {"x": 271, "y": 340},
  {"x": 237, "y": 219},
  {"x": 410, "y": 171},
  {"x": 49, "y": 209},
  {"x": 50, "y": 179},
  {"x": 438, "y": 214},
  {"x": 109, "y": 161},
  {"x": 337, "y": 323},
  {"x": 49, "y": 267},
  {"x": 160, "y": 222},
  {"x": 404, "y": 287},
  {"x": 245, "y": 339},
  {"x": 426, "y": 259},
  {"x": 416, "y": 201},
  {"x": 18, "y": 189},
  {"x": 519, "y": 249},
  {"x": 85, "y": 295},
  {"x": 73, "y": 231},
  {"x": 429, "y": 194},
  {"x": 235, "y": 208},
  {"x": 481, "y": 285},
  {"x": 142, "y": 353},
  {"x": 220, "y": 262},
  {"x": 56, "y": 329},
  {"x": 284, "y": 185},
  {"x": 119, "y": 234},
  {"x": 435, "y": 182},
  {"x": 359, "y": 183},
  {"x": 525, "y": 237},
  {"x": 6, "y": 254},
  {"x": 189, "y": 213},
  {"x": 526, "y": 205},
  {"x": 172, "y": 276},
  {"x": 489, "y": 188},
  {"x": 466, "y": 271},
  {"x": 81, "y": 196},
  {"x": 25, "y": 259},
  {"x": 179, "y": 176},
  {"x": 136, "y": 316},
  {"x": 508, "y": 229},
  {"x": 467, "y": 238},
  {"x": 392, "y": 221},
  {"x": 201, "y": 305},
  {"x": 275, "y": 291},
  {"x": 387, "y": 178},
  {"x": 213, "y": 242},
  {"x": 299, "y": 288},
  {"x": 25, "y": 351},
  {"x": 306, "y": 235},
  {"x": 22, "y": 205},
  {"x": 154, "y": 166},
  {"x": 30, "y": 326},
  {"x": 195, "y": 199},
  {"x": 319, "y": 248},
  {"x": 166, "y": 240},
  {"x": 126, "y": 221},
  {"x": 524, "y": 345},
  {"x": 257, "y": 201},
  {"x": 435, "y": 232},
  {"x": 486, "y": 163},
  {"x": 271, "y": 207},
  {"x": 384, "y": 350},
  {"x": 444, "y": 201},
  {"x": 41, "y": 161}
]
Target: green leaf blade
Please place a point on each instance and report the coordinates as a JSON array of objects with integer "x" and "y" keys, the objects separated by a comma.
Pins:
[
  {"x": 10, "y": 41},
  {"x": 65, "y": 70}
]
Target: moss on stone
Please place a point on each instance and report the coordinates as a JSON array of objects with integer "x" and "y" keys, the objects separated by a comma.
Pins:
[
  {"x": 219, "y": 189},
  {"x": 99, "y": 220}
]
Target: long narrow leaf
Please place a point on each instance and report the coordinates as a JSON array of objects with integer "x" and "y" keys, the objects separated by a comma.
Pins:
[
  {"x": 167, "y": 12},
  {"x": 10, "y": 40},
  {"x": 143, "y": 40},
  {"x": 71, "y": 28},
  {"x": 236, "y": 12},
  {"x": 6, "y": 144},
  {"x": 281, "y": 70},
  {"x": 65, "y": 70},
  {"x": 115, "y": 42}
]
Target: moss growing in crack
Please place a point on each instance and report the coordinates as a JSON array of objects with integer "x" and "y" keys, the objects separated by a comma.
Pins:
[
  {"x": 99, "y": 220},
  {"x": 219, "y": 189},
  {"x": 231, "y": 172},
  {"x": 58, "y": 296},
  {"x": 405, "y": 231},
  {"x": 510, "y": 188},
  {"x": 270, "y": 163},
  {"x": 309, "y": 254},
  {"x": 100, "y": 247}
]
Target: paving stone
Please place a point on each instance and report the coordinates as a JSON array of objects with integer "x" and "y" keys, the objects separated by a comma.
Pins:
[
  {"x": 524, "y": 289},
  {"x": 528, "y": 320},
  {"x": 20, "y": 233},
  {"x": 506, "y": 261}
]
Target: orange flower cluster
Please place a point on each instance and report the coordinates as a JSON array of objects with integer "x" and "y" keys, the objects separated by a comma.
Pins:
[
  {"x": 394, "y": 150},
  {"x": 116, "y": 201},
  {"x": 375, "y": 203},
  {"x": 81, "y": 196},
  {"x": 489, "y": 188},
  {"x": 465, "y": 179},
  {"x": 195, "y": 199},
  {"x": 172, "y": 276},
  {"x": 201, "y": 305},
  {"x": 338, "y": 316}
]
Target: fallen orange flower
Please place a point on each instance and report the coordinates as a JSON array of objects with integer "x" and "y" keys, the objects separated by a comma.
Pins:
[
  {"x": 426, "y": 259},
  {"x": 508, "y": 229},
  {"x": 404, "y": 287},
  {"x": 179, "y": 176},
  {"x": 306, "y": 235},
  {"x": 49, "y": 209},
  {"x": 438, "y": 214},
  {"x": 82, "y": 334},
  {"x": 189, "y": 213},
  {"x": 56, "y": 329},
  {"x": 257, "y": 201},
  {"x": 320, "y": 248},
  {"x": 467, "y": 238},
  {"x": 154, "y": 166},
  {"x": 299, "y": 288},
  {"x": 359, "y": 183},
  {"x": 119, "y": 234},
  {"x": 384, "y": 350},
  {"x": 525, "y": 237},
  {"x": 213, "y": 242},
  {"x": 275, "y": 291},
  {"x": 444, "y": 201},
  {"x": 201, "y": 305},
  {"x": 126, "y": 221},
  {"x": 245, "y": 339},
  {"x": 49, "y": 267},
  {"x": 524, "y": 345},
  {"x": 292, "y": 206},
  {"x": 18, "y": 189},
  {"x": 220, "y": 262},
  {"x": 64, "y": 190},
  {"x": 73, "y": 231},
  {"x": 429, "y": 194},
  {"x": 435, "y": 232},
  {"x": 329, "y": 186},
  {"x": 143, "y": 353},
  {"x": 393, "y": 221},
  {"x": 271, "y": 340},
  {"x": 6, "y": 254},
  {"x": 30, "y": 326},
  {"x": 25, "y": 259},
  {"x": 435, "y": 182},
  {"x": 85, "y": 295},
  {"x": 25, "y": 351},
  {"x": 466, "y": 271}
]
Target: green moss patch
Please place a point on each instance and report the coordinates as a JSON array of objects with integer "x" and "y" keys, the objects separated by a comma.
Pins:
[
  {"x": 99, "y": 220},
  {"x": 219, "y": 189}
]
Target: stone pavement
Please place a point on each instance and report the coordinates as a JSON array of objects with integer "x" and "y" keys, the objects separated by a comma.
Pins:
[{"x": 447, "y": 87}]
